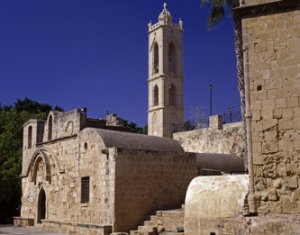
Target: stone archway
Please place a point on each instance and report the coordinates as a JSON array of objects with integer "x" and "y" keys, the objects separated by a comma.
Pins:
[{"x": 41, "y": 207}]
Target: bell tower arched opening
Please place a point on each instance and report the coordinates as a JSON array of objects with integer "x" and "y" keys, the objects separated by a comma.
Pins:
[
  {"x": 172, "y": 95},
  {"x": 156, "y": 59},
  {"x": 172, "y": 58},
  {"x": 155, "y": 96}
]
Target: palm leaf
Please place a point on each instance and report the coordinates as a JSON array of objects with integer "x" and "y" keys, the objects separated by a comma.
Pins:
[{"x": 216, "y": 16}]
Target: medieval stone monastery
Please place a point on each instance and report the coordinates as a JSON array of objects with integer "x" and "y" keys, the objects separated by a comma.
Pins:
[{"x": 90, "y": 176}]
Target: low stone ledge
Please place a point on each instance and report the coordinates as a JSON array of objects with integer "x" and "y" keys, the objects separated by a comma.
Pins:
[
  {"x": 23, "y": 222},
  {"x": 77, "y": 227}
]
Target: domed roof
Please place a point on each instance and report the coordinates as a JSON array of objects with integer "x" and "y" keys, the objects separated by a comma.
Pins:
[
  {"x": 126, "y": 140},
  {"x": 165, "y": 16}
]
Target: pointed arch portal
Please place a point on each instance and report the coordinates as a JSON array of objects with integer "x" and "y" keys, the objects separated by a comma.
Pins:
[{"x": 41, "y": 206}]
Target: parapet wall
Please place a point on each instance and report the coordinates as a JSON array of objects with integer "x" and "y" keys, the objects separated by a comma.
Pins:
[
  {"x": 256, "y": 2},
  {"x": 217, "y": 138}
]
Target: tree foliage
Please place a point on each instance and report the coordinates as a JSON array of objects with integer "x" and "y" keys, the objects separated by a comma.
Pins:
[
  {"x": 132, "y": 126},
  {"x": 217, "y": 10},
  {"x": 12, "y": 118},
  {"x": 198, "y": 119}
]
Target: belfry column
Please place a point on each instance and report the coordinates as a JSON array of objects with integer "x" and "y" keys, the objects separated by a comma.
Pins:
[{"x": 165, "y": 71}]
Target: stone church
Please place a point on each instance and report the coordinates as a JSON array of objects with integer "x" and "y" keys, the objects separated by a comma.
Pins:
[{"x": 89, "y": 176}]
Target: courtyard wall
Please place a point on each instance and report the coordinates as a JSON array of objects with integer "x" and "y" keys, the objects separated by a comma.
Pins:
[{"x": 217, "y": 138}]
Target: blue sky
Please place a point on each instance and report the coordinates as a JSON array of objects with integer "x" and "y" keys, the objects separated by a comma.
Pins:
[{"x": 93, "y": 53}]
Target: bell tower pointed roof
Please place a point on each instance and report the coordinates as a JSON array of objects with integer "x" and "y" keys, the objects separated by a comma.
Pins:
[{"x": 165, "y": 16}]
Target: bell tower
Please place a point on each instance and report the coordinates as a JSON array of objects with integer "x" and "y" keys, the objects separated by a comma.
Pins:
[{"x": 165, "y": 81}]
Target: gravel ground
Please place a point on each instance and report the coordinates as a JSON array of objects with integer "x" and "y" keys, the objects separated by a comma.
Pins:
[{"x": 10, "y": 229}]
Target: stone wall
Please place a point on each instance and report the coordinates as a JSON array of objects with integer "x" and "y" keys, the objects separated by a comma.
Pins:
[
  {"x": 271, "y": 42},
  {"x": 215, "y": 139},
  {"x": 129, "y": 176},
  {"x": 57, "y": 170},
  {"x": 147, "y": 181}
]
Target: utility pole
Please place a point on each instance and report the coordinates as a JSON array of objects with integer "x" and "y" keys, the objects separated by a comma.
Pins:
[
  {"x": 210, "y": 99},
  {"x": 230, "y": 111}
]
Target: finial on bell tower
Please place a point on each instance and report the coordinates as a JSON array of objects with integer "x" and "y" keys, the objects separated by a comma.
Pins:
[
  {"x": 165, "y": 16},
  {"x": 165, "y": 6}
]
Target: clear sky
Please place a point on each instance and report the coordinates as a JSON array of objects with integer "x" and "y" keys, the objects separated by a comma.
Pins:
[{"x": 93, "y": 53}]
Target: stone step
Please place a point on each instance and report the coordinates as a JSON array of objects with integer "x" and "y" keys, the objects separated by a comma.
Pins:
[
  {"x": 167, "y": 221},
  {"x": 173, "y": 213},
  {"x": 136, "y": 232},
  {"x": 145, "y": 228},
  {"x": 174, "y": 233},
  {"x": 150, "y": 223}
]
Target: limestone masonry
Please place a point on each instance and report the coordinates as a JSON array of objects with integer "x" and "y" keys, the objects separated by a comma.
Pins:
[
  {"x": 89, "y": 176},
  {"x": 214, "y": 139},
  {"x": 269, "y": 31}
]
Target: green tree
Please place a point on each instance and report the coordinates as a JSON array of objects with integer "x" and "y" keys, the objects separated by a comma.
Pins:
[
  {"x": 132, "y": 126},
  {"x": 12, "y": 118},
  {"x": 217, "y": 12}
]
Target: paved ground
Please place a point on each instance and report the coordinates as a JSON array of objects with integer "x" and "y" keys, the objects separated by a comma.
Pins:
[{"x": 10, "y": 229}]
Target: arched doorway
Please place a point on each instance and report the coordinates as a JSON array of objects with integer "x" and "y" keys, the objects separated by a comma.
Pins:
[{"x": 41, "y": 206}]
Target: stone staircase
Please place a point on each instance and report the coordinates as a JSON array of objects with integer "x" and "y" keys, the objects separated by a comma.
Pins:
[{"x": 164, "y": 222}]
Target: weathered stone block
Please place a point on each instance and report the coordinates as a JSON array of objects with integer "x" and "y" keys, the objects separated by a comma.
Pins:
[
  {"x": 293, "y": 101},
  {"x": 291, "y": 183},
  {"x": 277, "y": 114},
  {"x": 270, "y": 147},
  {"x": 296, "y": 124},
  {"x": 297, "y": 145},
  {"x": 256, "y": 105},
  {"x": 272, "y": 94},
  {"x": 277, "y": 183},
  {"x": 287, "y": 205},
  {"x": 268, "y": 104},
  {"x": 296, "y": 195},
  {"x": 263, "y": 209},
  {"x": 269, "y": 124},
  {"x": 266, "y": 113},
  {"x": 276, "y": 207},
  {"x": 256, "y": 115},
  {"x": 297, "y": 112},
  {"x": 271, "y": 135},
  {"x": 272, "y": 194},
  {"x": 281, "y": 103},
  {"x": 285, "y": 124},
  {"x": 288, "y": 113}
]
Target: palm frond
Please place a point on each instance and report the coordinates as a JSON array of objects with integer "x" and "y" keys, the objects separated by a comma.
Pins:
[{"x": 216, "y": 16}]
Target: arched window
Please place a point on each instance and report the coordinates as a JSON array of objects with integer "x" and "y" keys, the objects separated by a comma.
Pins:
[
  {"x": 155, "y": 59},
  {"x": 172, "y": 95},
  {"x": 29, "y": 144},
  {"x": 155, "y": 96},
  {"x": 154, "y": 124},
  {"x": 50, "y": 124},
  {"x": 172, "y": 58}
]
